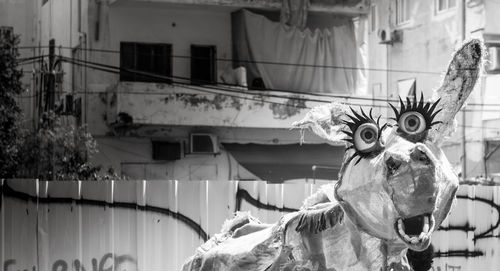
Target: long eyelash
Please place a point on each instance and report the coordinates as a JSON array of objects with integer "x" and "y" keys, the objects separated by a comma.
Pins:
[
  {"x": 357, "y": 120},
  {"x": 426, "y": 109}
]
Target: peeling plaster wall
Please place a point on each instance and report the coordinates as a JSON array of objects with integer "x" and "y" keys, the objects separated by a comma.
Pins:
[{"x": 161, "y": 104}]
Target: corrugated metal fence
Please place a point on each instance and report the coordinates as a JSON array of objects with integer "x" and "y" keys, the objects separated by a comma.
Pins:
[{"x": 156, "y": 225}]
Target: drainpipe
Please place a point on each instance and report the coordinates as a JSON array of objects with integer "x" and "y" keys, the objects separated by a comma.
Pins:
[{"x": 464, "y": 140}]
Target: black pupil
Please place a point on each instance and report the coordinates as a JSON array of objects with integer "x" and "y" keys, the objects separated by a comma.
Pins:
[
  {"x": 412, "y": 122},
  {"x": 368, "y": 135}
]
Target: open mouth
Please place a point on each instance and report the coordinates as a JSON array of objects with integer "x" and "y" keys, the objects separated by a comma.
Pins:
[{"x": 415, "y": 231}]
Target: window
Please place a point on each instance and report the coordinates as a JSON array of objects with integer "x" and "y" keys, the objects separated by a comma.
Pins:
[
  {"x": 377, "y": 90},
  {"x": 6, "y": 31},
  {"x": 373, "y": 18},
  {"x": 402, "y": 11},
  {"x": 442, "y": 5},
  {"x": 149, "y": 58},
  {"x": 203, "y": 64},
  {"x": 168, "y": 151},
  {"x": 407, "y": 88}
]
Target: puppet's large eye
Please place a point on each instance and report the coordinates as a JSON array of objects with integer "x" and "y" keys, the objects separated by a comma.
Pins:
[
  {"x": 364, "y": 134},
  {"x": 412, "y": 123},
  {"x": 366, "y": 137},
  {"x": 415, "y": 118}
]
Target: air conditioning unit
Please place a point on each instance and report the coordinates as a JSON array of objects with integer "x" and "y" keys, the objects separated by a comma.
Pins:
[
  {"x": 493, "y": 65},
  {"x": 386, "y": 36},
  {"x": 203, "y": 143}
]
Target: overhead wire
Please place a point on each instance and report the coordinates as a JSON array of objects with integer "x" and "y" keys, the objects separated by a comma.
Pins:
[
  {"x": 325, "y": 95},
  {"x": 204, "y": 89},
  {"x": 24, "y": 59},
  {"x": 262, "y": 62},
  {"x": 293, "y": 64},
  {"x": 118, "y": 70},
  {"x": 109, "y": 68}
]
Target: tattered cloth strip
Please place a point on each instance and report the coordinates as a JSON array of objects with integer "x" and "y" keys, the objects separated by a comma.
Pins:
[
  {"x": 325, "y": 121},
  {"x": 294, "y": 12},
  {"x": 318, "y": 220}
]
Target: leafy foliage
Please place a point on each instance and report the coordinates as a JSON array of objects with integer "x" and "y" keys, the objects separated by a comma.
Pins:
[
  {"x": 59, "y": 151},
  {"x": 10, "y": 113}
]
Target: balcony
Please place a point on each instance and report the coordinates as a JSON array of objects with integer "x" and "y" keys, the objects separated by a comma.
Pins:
[
  {"x": 189, "y": 105},
  {"x": 203, "y": 50},
  {"x": 351, "y": 7}
]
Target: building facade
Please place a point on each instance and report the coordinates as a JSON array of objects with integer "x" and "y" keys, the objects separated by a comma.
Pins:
[
  {"x": 208, "y": 90},
  {"x": 411, "y": 41}
]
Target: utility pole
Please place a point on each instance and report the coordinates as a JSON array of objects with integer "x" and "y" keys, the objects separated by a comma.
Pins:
[
  {"x": 50, "y": 98},
  {"x": 50, "y": 95}
]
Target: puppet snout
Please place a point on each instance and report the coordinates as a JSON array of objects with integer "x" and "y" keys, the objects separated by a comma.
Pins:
[
  {"x": 411, "y": 178},
  {"x": 394, "y": 161}
]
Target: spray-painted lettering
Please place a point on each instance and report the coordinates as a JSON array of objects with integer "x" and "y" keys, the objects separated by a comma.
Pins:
[{"x": 108, "y": 262}]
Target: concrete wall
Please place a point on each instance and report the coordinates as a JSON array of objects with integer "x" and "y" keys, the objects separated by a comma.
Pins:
[
  {"x": 427, "y": 42},
  {"x": 157, "y": 225}
]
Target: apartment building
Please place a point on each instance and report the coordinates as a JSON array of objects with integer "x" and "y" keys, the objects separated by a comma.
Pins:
[
  {"x": 411, "y": 41},
  {"x": 206, "y": 90}
]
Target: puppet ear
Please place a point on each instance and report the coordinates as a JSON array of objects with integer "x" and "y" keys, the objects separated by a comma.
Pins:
[
  {"x": 325, "y": 121},
  {"x": 458, "y": 83}
]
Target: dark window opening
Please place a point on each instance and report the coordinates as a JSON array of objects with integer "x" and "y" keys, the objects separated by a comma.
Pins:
[
  {"x": 146, "y": 62},
  {"x": 202, "y": 143},
  {"x": 6, "y": 31},
  {"x": 168, "y": 151},
  {"x": 203, "y": 64},
  {"x": 78, "y": 110}
]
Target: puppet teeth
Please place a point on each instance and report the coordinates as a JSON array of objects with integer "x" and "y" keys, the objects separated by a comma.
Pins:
[
  {"x": 401, "y": 226},
  {"x": 419, "y": 238},
  {"x": 426, "y": 225}
]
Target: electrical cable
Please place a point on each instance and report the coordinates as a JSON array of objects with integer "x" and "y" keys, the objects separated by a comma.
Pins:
[
  {"x": 248, "y": 98},
  {"x": 276, "y": 63},
  {"x": 117, "y": 70},
  {"x": 202, "y": 89},
  {"x": 267, "y": 94},
  {"x": 299, "y": 92},
  {"x": 21, "y": 60}
]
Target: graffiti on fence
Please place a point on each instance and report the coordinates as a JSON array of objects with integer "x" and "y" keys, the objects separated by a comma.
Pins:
[
  {"x": 9, "y": 192},
  {"x": 108, "y": 262},
  {"x": 447, "y": 267},
  {"x": 243, "y": 195},
  {"x": 479, "y": 230}
]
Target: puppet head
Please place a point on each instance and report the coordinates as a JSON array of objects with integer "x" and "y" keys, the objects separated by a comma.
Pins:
[{"x": 395, "y": 183}]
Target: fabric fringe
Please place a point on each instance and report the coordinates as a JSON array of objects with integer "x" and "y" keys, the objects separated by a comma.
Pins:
[{"x": 315, "y": 221}]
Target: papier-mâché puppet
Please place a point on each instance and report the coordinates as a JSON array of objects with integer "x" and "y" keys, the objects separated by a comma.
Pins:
[{"x": 394, "y": 189}]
